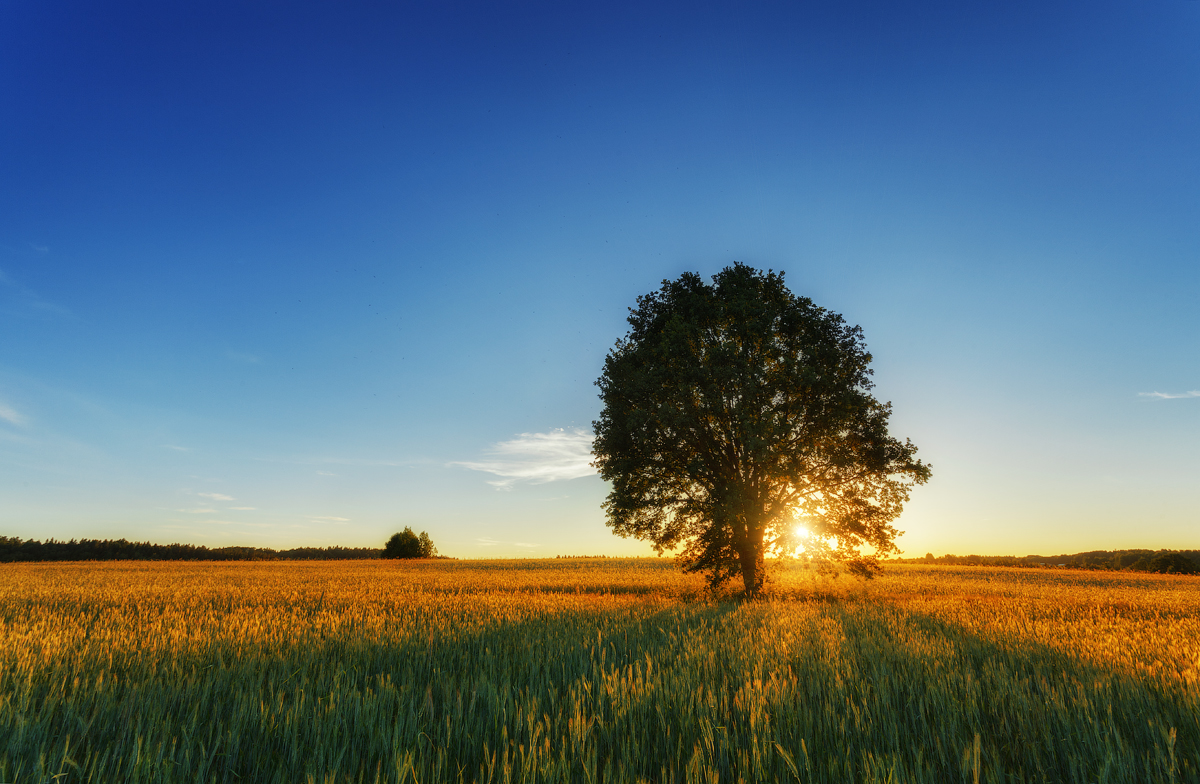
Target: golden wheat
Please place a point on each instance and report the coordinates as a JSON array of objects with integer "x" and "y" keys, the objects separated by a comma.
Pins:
[{"x": 591, "y": 670}]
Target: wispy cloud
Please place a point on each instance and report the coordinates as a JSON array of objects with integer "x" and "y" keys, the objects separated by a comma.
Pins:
[
  {"x": 217, "y": 496},
  {"x": 341, "y": 461},
  {"x": 1169, "y": 395},
  {"x": 537, "y": 458},
  {"x": 42, "y": 249},
  {"x": 9, "y": 414},
  {"x": 243, "y": 357},
  {"x": 176, "y": 448},
  {"x": 241, "y": 524},
  {"x": 331, "y": 519},
  {"x": 21, "y": 301},
  {"x": 243, "y": 508},
  {"x": 196, "y": 511},
  {"x": 487, "y": 541},
  {"x": 326, "y": 473}
]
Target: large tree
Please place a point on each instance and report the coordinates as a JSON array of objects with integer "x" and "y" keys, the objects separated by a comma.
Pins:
[{"x": 735, "y": 414}]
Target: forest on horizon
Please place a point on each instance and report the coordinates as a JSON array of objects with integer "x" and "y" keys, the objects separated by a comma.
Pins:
[{"x": 14, "y": 549}]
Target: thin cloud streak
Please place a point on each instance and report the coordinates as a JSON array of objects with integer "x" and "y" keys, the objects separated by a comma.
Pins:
[
  {"x": 487, "y": 541},
  {"x": 1170, "y": 395},
  {"x": 9, "y": 414},
  {"x": 217, "y": 496},
  {"x": 243, "y": 357},
  {"x": 537, "y": 458},
  {"x": 21, "y": 301},
  {"x": 340, "y": 461}
]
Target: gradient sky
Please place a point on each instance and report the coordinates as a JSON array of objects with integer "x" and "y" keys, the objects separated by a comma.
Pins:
[{"x": 287, "y": 275}]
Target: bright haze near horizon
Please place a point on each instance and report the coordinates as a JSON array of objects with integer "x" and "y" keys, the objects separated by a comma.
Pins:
[{"x": 283, "y": 275}]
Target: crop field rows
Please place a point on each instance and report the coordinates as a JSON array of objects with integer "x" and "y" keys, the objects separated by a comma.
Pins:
[{"x": 592, "y": 671}]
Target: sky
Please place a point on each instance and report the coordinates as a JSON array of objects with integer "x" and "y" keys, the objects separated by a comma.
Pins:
[{"x": 288, "y": 274}]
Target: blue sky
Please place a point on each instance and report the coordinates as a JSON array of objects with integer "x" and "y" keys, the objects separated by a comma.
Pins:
[{"x": 283, "y": 275}]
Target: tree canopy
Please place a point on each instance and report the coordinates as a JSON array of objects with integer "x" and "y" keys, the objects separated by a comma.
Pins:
[
  {"x": 738, "y": 420},
  {"x": 1173, "y": 563},
  {"x": 407, "y": 544}
]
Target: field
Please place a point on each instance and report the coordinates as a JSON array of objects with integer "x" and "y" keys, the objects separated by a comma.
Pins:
[{"x": 591, "y": 671}]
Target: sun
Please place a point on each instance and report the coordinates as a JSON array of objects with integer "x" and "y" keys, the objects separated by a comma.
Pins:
[{"x": 802, "y": 538}]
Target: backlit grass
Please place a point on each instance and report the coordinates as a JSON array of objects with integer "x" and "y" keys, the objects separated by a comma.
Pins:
[{"x": 587, "y": 671}]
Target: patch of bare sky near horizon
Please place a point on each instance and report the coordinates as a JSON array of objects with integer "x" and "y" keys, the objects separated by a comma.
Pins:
[{"x": 537, "y": 458}]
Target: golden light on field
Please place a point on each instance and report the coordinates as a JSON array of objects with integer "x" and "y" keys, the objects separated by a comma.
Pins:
[{"x": 592, "y": 670}]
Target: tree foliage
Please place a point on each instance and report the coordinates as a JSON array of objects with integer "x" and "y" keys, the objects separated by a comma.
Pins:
[
  {"x": 407, "y": 544},
  {"x": 13, "y": 548},
  {"x": 735, "y": 412},
  {"x": 1163, "y": 561},
  {"x": 1173, "y": 563}
]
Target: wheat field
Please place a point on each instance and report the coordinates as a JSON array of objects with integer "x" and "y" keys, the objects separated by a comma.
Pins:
[{"x": 592, "y": 671}]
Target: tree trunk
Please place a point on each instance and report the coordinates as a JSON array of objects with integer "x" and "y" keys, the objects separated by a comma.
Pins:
[{"x": 753, "y": 569}]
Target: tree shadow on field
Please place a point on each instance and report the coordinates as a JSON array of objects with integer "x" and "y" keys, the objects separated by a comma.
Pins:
[
  {"x": 917, "y": 689},
  {"x": 632, "y": 576},
  {"x": 819, "y": 689},
  {"x": 344, "y": 705}
]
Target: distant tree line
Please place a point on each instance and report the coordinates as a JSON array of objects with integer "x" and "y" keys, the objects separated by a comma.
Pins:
[
  {"x": 14, "y": 549},
  {"x": 1159, "y": 561}
]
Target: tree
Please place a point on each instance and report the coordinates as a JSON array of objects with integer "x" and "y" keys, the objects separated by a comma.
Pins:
[
  {"x": 427, "y": 548},
  {"x": 1173, "y": 563},
  {"x": 407, "y": 544},
  {"x": 735, "y": 413}
]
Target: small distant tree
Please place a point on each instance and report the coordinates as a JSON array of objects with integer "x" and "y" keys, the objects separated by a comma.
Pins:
[
  {"x": 427, "y": 548},
  {"x": 407, "y": 544}
]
